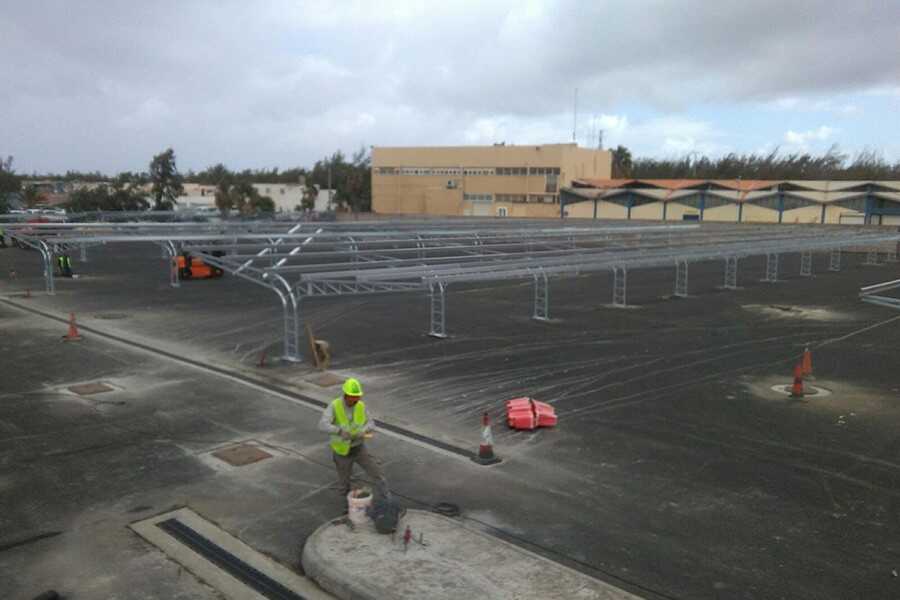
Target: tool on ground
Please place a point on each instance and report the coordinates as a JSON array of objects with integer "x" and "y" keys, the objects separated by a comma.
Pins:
[
  {"x": 262, "y": 360},
  {"x": 320, "y": 350},
  {"x": 527, "y": 413},
  {"x": 797, "y": 387},
  {"x": 72, "y": 335},
  {"x": 407, "y": 535}
]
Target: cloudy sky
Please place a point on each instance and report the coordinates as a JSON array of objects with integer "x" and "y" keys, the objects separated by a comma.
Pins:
[{"x": 105, "y": 85}]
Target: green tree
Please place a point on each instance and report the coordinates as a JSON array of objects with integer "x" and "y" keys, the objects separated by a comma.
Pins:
[
  {"x": 107, "y": 198},
  {"x": 32, "y": 196},
  {"x": 310, "y": 192},
  {"x": 167, "y": 182},
  {"x": 10, "y": 183},
  {"x": 621, "y": 162}
]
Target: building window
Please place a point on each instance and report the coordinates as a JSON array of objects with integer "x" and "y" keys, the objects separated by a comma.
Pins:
[
  {"x": 512, "y": 198},
  {"x": 544, "y": 198},
  {"x": 552, "y": 183},
  {"x": 478, "y": 198},
  {"x": 511, "y": 170},
  {"x": 282, "y": 191},
  {"x": 501, "y": 211}
]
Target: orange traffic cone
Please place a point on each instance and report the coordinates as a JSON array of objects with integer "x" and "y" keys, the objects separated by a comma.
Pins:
[
  {"x": 486, "y": 449},
  {"x": 806, "y": 364},
  {"x": 797, "y": 387},
  {"x": 73, "y": 335}
]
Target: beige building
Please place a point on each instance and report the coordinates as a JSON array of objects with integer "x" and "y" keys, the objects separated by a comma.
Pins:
[{"x": 499, "y": 180}]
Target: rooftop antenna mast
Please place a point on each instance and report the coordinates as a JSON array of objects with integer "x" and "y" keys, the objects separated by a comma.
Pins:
[{"x": 575, "y": 117}]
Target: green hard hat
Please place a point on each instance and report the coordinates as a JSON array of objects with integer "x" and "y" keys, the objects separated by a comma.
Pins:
[{"x": 352, "y": 387}]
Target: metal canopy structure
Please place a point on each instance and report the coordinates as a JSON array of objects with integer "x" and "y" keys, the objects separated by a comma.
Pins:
[{"x": 309, "y": 260}]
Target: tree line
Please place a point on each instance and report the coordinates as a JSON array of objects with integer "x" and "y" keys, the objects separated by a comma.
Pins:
[
  {"x": 833, "y": 164},
  {"x": 350, "y": 178}
]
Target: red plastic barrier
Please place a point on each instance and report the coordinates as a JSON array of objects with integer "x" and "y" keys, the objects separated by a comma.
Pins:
[
  {"x": 525, "y": 413},
  {"x": 546, "y": 415}
]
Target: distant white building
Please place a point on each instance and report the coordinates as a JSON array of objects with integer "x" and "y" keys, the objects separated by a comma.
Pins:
[
  {"x": 324, "y": 200},
  {"x": 197, "y": 197},
  {"x": 288, "y": 197}
]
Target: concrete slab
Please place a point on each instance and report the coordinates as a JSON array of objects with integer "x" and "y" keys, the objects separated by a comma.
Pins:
[
  {"x": 453, "y": 561},
  {"x": 228, "y": 585},
  {"x": 675, "y": 467}
]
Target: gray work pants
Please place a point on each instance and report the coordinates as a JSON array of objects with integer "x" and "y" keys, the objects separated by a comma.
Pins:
[{"x": 360, "y": 456}]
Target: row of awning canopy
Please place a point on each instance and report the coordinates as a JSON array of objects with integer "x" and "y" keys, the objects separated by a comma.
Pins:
[{"x": 851, "y": 194}]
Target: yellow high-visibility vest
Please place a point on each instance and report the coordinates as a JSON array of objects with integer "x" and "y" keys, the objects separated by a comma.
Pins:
[{"x": 339, "y": 444}]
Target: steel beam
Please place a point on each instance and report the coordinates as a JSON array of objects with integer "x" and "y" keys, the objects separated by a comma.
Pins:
[
  {"x": 771, "y": 267},
  {"x": 731, "y": 270},
  {"x": 620, "y": 275},
  {"x": 541, "y": 297},
  {"x": 806, "y": 263},
  {"x": 681, "y": 278},
  {"x": 834, "y": 260},
  {"x": 438, "y": 310}
]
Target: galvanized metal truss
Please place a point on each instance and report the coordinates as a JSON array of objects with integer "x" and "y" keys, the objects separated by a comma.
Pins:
[
  {"x": 310, "y": 260},
  {"x": 872, "y": 294}
]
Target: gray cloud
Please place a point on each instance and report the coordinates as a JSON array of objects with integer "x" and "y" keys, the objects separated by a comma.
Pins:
[{"x": 104, "y": 85}]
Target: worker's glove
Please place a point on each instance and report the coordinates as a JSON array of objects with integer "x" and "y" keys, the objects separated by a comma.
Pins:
[{"x": 345, "y": 434}]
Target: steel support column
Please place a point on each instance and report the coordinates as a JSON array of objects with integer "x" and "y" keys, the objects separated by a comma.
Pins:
[
  {"x": 731, "y": 268},
  {"x": 174, "y": 274},
  {"x": 541, "y": 297},
  {"x": 290, "y": 303},
  {"x": 620, "y": 275},
  {"x": 437, "y": 290},
  {"x": 806, "y": 263},
  {"x": 681, "y": 278},
  {"x": 834, "y": 261},
  {"x": 47, "y": 258},
  {"x": 771, "y": 268},
  {"x": 84, "y": 256}
]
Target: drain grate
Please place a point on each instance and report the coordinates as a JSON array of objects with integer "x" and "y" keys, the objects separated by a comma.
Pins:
[
  {"x": 89, "y": 389},
  {"x": 242, "y": 454},
  {"x": 228, "y": 562}
]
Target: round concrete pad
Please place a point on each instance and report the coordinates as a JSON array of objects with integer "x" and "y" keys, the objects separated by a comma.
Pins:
[{"x": 455, "y": 561}]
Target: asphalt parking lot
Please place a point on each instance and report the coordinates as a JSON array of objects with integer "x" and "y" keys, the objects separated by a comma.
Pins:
[{"x": 675, "y": 472}]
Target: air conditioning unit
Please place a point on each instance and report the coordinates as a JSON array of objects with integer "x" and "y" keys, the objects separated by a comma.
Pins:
[{"x": 451, "y": 184}]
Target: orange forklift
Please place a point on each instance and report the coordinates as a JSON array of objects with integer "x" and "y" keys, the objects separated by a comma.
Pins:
[{"x": 193, "y": 267}]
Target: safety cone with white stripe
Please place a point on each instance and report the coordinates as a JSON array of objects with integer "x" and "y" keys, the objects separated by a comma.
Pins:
[{"x": 486, "y": 448}]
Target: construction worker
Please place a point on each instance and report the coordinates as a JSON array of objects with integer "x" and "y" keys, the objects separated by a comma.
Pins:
[
  {"x": 65, "y": 265},
  {"x": 2, "y": 238},
  {"x": 346, "y": 420}
]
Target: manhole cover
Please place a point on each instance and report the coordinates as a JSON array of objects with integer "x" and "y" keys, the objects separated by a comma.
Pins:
[
  {"x": 809, "y": 391},
  {"x": 111, "y": 316},
  {"x": 89, "y": 389},
  {"x": 242, "y": 454},
  {"x": 326, "y": 379}
]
